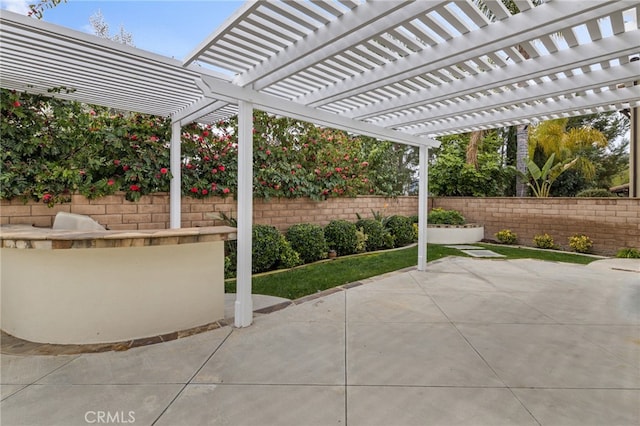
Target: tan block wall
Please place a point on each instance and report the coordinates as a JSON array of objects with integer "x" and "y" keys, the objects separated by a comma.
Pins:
[
  {"x": 611, "y": 223},
  {"x": 152, "y": 211}
]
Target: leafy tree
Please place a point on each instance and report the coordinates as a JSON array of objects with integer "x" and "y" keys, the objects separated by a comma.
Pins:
[
  {"x": 101, "y": 29},
  {"x": 391, "y": 166},
  {"x": 37, "y": 9},
  {"x": 450, "y": 175}
]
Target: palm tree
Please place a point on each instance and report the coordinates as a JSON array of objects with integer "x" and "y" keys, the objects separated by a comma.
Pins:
[{"x": 560, "y": 149}]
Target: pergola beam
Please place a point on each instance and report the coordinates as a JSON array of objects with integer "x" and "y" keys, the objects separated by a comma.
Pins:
[{"x": 269, "y": 103}]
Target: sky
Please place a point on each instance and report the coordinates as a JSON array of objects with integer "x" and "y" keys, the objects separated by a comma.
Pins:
[{"x": 168, "y": 27}]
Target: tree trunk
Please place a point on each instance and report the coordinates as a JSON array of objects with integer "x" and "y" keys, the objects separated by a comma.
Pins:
[
  {"x": 472, "y": 148},
  {"x": 522, "y": 156}
]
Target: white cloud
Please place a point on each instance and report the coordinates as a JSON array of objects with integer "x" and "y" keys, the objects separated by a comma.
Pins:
[{"x": 17, "y": 6}]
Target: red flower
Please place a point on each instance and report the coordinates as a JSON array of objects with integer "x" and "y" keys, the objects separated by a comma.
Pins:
[
  {"x": 92, "y": 112},
  {"x": 116, "y": 162},
  {"x": 154, "y": 138},
  {"x": 216, "y": 157},
  {"x": 214, "y": 171},
  {"x": 226, "y": 190},
  {"x": 111, "y": 182},
  {"x": 221, "y": 168},
  {"x": 125, "y": 167},
  {"x": 268, "y": 152},
  {"x": 205, "y": 192},
  {"x": 207, "y": 158},
  {"x": 47, "y": 198},
  {"x": 194, "y": 190},
  {"x": 134, "y": 188},
  {"x": 214, "y": 186},
  {"x": 164, "y": 170},
  {"x": 338, "y": 169},
  {"x": 134, "y": 137},
  {"x": 16, "y": 104},
  {"x": 205, "y": 133}
]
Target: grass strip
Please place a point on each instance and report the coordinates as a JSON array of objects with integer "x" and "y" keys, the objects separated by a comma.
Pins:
[
  {"x": 309, "y": 279},
  {"x": 539, "y": 254}
]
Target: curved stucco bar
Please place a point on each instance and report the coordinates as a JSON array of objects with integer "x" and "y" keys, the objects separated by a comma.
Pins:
[{"x": 71, "y": 287}]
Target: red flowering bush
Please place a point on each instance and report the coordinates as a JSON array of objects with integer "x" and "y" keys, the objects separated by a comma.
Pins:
[{"x": 53, "y": 148}]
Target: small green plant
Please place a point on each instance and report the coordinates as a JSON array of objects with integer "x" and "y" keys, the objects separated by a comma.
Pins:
[
  {"x": 401, "y": 228},
  {"x": 439, "y": 216},
  {"x": 506, "y": 236},
  {"x": 580, "y": 243},
  {"x": 287, "y": 256},
  {"x": 308, "y": 240},
  {"x": 544, "y": 241},
  {"x": 341, "y": 237},
  {"x": 628, "y": 253},
  {"x": 376, "y": 234},
  {"x": 361, "y": 241}
]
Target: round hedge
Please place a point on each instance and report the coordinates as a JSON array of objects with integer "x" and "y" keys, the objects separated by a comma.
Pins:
[
  {"x": 401, "y": 229},
  {"x": 341, "y": 237},
  {"x": 266, "y": 248},
  {"x": 309, "y": 241}
]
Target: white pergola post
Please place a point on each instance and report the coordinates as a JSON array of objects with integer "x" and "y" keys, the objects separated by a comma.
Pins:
[
  {"x": 244, "y": 302},
  {"x": 634, "y": 154},
  {"x": 175, "y": 194},
  {"x": 423, "y": 198}
]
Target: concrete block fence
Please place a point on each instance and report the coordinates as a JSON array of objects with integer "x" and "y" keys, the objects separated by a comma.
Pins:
[
  {"x": 612, "y": 223},
  {"x": 152, "y": 211}
]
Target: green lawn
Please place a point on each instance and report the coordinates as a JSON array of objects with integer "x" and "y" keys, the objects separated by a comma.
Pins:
[{"x": 309, "y": 279}]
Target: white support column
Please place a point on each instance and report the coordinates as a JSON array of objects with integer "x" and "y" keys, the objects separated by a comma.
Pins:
[
  {"x": 244, "y": 302},
  {"x": 634, "y": 154},
  {"x": 423, "y": 198},
  {"x": 175, "y": 194}
]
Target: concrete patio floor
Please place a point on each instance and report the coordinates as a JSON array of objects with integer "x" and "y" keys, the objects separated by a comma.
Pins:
[{"x": 470, "y": 341}]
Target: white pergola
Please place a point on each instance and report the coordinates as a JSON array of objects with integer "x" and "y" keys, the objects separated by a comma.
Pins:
[{"x": 405, "y": 71}]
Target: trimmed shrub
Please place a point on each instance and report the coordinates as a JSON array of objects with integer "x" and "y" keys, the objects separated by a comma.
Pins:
[
  {"x": 506, "y": 236},
  {"x": 266, "y": 248},
  {"x": 401, "y": 228},
  {"x": 375, "y": 234},
  {"x": 580, "y": 243},
  {"x": 341, "y": 237},
  {"x": 628, "y": 253},
  {"x": 595, "y": 192},
  {"x": 544, "y": 241},
  {"x": 308, "y": 240},
  {"x": 287, "y": 257},
  {"x": 440, "y": 216}
]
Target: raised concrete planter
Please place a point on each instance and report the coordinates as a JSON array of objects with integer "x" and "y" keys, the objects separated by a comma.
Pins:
[
  {"x": 455, "y": 234},
  {"x": 78, "y": 287}
]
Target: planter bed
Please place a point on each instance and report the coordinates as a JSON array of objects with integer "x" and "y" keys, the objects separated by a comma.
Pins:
[{"x": 455, "y": 234}]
